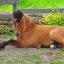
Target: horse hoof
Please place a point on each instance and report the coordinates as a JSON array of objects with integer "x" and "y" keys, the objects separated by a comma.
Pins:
[{"x": 52, "y": 46}]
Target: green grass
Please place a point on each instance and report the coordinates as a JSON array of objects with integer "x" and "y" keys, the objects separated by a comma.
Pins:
[
  {"x": 58, "y": 57},
  {"x": 34, "y": 4}
]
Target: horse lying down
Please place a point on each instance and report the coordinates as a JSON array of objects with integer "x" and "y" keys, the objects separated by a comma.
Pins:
[{"x": 32, "y": 34}]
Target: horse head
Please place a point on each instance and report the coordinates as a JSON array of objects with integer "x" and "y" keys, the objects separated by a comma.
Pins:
[
  {"x": 21, "y": 21},
  {"x": 17, "y": 15}
]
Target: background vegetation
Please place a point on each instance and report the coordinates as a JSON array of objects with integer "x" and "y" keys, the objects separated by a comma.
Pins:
[
  {"x": 6, "y": 31},
  {"x": 56, "y": 19},
  {"x": 34, "y": 4}
]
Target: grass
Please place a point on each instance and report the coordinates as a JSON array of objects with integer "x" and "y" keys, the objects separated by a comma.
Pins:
[
  {"x": 30, "y": 56},
  {"x": 34, "y": 4},
  {"x": 19, "y": 58},
  {"x": 58, "y": 57}
]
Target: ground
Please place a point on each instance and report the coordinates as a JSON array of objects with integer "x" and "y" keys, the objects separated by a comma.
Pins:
[{"x": 15, "y": 55}]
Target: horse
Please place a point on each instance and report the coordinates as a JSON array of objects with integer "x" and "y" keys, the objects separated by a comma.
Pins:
[{"x": 32, "y": 34}]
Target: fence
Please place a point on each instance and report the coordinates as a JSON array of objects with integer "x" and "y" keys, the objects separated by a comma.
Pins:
[
  {"x": 13, "y": 2},
  {"x": 27, "y": 11}
]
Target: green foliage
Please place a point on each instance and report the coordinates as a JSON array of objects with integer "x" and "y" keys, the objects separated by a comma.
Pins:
[
  {"x": 41, "y": 3},
  {"x": 54, "y": 19},
  {"x": 34, "y": 4},
  {"x": 57, "y": 62},
  {"x": 6, "y": 31}
]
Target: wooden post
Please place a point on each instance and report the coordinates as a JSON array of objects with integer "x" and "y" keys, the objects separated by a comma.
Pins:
[{"x": 14, "y": 7}]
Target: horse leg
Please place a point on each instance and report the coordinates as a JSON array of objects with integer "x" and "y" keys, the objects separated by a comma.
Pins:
[{"x": 57, "y": 36}]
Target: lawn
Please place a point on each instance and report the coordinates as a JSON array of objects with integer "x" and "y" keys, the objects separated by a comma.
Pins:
[
  {"x": 13, "y": 55},
  {"x": 34, "y": 4}
]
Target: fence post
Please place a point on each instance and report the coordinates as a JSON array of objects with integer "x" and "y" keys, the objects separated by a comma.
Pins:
[{"x": 14, "y": 7}]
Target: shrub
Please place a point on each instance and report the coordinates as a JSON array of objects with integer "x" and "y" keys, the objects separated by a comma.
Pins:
[
  {"x": 6, "y": 31},
  {"x": 54, "y": 19}
]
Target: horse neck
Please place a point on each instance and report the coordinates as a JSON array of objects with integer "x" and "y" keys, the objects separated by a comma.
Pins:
[{"x": 26, "y": 23}]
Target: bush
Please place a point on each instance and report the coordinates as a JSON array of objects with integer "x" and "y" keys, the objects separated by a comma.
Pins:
[
  {"x": 54, "y": 19},
  {"x": 6, "y": 31}
]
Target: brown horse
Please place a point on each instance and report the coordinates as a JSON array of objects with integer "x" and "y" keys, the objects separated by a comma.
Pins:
[{"x": 32, "y": 34}]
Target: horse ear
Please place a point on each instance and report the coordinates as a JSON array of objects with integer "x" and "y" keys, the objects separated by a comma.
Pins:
[{"x": 18, "y": 14}]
